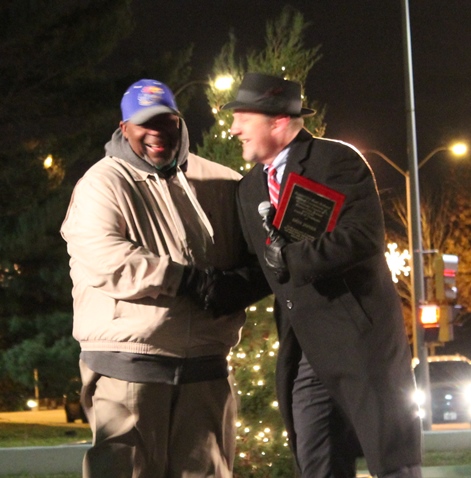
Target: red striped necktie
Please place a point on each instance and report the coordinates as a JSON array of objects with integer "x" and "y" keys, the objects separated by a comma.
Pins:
[{"x": 273, "y": 186}]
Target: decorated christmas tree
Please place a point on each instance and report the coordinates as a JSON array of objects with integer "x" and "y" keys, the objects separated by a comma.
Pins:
[{"x": 262, "y": 446}]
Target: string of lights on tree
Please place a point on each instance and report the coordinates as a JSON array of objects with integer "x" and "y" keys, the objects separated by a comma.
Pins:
[{"x": 262, "y": 442}]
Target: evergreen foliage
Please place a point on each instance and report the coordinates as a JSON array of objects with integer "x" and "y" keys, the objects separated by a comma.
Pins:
[
  {"x": 262, "y": 446},
  {"x": 60, "y": 99},
  {"x": 284, "y": 55}
]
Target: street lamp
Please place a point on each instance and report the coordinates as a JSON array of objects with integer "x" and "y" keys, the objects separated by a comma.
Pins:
[
  {"x": 457, "y": 149},
  {"x": 221, "y": 83},
  {"x": 417, "y": 279},
  {"x": 48, "y": 162},
  {"x": 413, "y": 205}
]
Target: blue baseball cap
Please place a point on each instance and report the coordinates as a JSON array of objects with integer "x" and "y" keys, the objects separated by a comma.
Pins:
[{"x": 145, "y": 99}]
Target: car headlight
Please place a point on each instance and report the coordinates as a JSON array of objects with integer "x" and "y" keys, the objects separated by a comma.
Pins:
[
  {"x": 419, "y": 397},
  {"x": 32, "y": 403},
  {"x": 467, "y": 392}
]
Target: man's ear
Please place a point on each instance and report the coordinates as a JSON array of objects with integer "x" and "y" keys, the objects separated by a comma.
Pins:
[
  {"x": 280, "y": 123},
  {"x": 123, "y": 127}
]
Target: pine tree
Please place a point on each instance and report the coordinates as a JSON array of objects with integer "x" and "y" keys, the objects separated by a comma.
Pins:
[
  {"x": 262, "y": 446},
  {"x": 262, "y": 449},
  {"x": 284, "y": 55},
  {"x": 58, "y": 108},
  {"x": 44, "y": 113}
]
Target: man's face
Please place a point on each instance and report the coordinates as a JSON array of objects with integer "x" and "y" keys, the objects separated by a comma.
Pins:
[
  {"x": 255, "y": 131},
  {"x": 157, "y": 140}
]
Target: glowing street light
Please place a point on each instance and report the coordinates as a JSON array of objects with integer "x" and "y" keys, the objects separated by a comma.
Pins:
[
  {"x": 416, "y": 269},
  {"x": 221, "y": 83},
  {"x": 457, "y": 149},
  {"x": 48, "y": 162}
]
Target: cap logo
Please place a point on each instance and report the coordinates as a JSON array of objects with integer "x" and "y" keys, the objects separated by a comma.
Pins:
[{"x": 150, "y": 95}]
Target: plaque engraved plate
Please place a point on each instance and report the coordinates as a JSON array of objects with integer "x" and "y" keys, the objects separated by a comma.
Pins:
[{"x": 307, "y": 209}]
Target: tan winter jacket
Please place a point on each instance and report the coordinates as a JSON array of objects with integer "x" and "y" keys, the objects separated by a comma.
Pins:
[{"x": 129, "y": 233}]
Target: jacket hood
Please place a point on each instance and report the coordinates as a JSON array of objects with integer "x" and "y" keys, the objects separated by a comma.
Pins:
[{"x": 119, "y": 146}]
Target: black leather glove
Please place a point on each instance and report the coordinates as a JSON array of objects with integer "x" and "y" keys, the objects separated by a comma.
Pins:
[
  {"x": 197, "y": 284},
  {"x": 231, "y": 291},
  {"x": 273, "y": 255}
]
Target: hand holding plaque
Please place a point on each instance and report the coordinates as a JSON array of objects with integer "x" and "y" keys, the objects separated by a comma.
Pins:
[{"x": 307, "y": 209}]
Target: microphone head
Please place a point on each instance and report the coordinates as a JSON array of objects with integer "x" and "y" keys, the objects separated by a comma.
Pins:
[{"x": 264, "y": 209}]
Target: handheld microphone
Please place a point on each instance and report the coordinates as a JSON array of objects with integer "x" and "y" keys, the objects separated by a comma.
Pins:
[{"x": 264, "y": 209}]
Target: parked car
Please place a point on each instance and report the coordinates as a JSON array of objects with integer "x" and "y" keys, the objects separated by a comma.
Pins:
[
  {"x": 72, "y": 406},
  {"x": 450, "y": 388}
]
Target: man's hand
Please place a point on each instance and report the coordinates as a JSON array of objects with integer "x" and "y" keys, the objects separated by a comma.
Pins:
[
  {"x": 229, "y": 293},
  {"x": 222, "y": 292},
  {"x": 273, "y": 254},
  {"x": 197, "y": 284}
]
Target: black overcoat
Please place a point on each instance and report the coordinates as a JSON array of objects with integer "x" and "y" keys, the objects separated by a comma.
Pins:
[{"x": 340, "y": 305}]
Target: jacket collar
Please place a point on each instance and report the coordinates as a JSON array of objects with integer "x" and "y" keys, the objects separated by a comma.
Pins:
[{"x": 298, "y": 154}]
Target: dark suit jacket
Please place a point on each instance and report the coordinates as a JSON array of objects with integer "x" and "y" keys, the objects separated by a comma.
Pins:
[{"x": 340, "y": 305}]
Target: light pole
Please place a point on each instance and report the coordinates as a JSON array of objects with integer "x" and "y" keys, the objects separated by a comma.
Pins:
[
  {"x": 417, "y": 276},
  {"x": 221, "y": 83},
  {"x": 457, "y": 149}
]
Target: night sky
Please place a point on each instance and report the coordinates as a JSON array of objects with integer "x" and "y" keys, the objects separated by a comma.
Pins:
[{"x": 360, "y": 77}]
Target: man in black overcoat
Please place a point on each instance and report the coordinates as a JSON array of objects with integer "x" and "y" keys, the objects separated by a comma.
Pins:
[{"x": 344, "y": 365}]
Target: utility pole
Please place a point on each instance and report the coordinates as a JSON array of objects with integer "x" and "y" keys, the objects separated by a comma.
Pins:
[{"x": 415, "y": 229}]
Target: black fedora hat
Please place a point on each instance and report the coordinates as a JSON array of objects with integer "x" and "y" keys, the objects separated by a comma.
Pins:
[{"x": 269, "y": 94}]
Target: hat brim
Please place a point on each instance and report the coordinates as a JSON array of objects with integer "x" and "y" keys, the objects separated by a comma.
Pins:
[
  {"x": 239, "y": 105},
  {"x": 147, "y": 114}
]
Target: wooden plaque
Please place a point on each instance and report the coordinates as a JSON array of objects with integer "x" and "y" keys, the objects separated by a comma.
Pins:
[{"x": 307, "y": 209}]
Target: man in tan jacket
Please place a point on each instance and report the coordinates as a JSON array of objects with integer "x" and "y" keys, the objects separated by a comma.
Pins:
[{"x": 145, "y": 225}]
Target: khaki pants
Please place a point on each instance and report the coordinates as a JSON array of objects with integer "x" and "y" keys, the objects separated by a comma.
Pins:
[{"x": 156, "y": 430}]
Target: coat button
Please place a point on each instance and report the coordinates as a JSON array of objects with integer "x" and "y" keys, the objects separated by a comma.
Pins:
[{"x": 289, "y": 304}]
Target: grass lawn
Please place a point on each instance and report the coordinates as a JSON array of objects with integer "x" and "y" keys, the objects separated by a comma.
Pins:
[
  {"x": 20, "y": 435},
  {"x": 431, "y": 459},
  {"x": 438, "y": 458},
  {"x": 455, "y": 458},
  {"x": 61, "y": 475}
]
